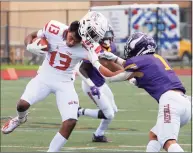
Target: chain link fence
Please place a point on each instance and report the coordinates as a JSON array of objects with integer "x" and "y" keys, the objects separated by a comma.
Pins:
[
  {"x": 17, "y": 53},
  {"x": 15, "y": 27},
  {"x": 12, "y": 37}
]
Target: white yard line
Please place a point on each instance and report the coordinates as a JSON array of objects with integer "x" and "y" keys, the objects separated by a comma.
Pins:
[
  {"x": 96, "y": 148},
  {"x": 105, "y": 150},
  {"x": 125, "y": 146},
  {"x": 72, "y": 148},
  {"x": 34, "y": 147},
  {"x": 83, "y": 119},
  {"x": 124, "y": 133}
]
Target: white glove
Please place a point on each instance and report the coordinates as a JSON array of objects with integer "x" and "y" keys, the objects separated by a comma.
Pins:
[
  {"x": 92, "y": 56},
  {"x": 133, "y": 81},
  {"x": 108, "y": 55},
  {"x": 35, "y": 48},
  {"x": 111, "y": 56}
]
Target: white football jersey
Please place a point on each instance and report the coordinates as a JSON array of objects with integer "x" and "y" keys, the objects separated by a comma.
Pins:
[{"x": 60, "y": 60}]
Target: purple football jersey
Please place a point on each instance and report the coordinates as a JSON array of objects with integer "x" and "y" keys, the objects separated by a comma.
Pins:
[
  {"x": 94, "y": 75},
  {"x": 154, "y": 74}
]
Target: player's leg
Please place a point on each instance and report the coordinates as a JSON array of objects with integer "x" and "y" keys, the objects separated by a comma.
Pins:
[
  {"x": 105, "y": 110},
  {"x": 107, "y": 91},
  {"x": 99, "y": 134},
  {"x": 68, "y": 103},
  {"x": 153, "y": 145},
  {"x": 173, "y": 107},
  {"x": 185, "y": 117},
  {"x": 89, "y": 112},
  {"x": 35, "y": 91},
  {"x": 105, "y": 122}
]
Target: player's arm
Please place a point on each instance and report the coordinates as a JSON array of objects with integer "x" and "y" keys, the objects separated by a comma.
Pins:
[
  {"x": 82, "y": 69},
  {"x": 28, "y": 39},
  {"x": 110, "y": 64},
  {"x": 107, "y": 59},
  {"x": 40, "y": 33},
  {"x": 112, "y": 57},
  {"x": 110, "y": 60},
  {"x": 119, "y": 75},
  {"x": 33, "y": 47}
]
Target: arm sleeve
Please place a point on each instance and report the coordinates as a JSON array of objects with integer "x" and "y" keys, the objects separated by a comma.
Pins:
[
  {"x": 119, "y": 77},
  {"x": 82, "y": 73}
]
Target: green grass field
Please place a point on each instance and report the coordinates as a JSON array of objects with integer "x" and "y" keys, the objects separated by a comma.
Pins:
[
  {"x": 128, "y": 131},
  {"x": 20, "y": 67},
  {"x": 35, "y": 67}
]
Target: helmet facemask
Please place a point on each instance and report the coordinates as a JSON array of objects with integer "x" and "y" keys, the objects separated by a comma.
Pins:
[
  {"x": 127, "y": 52},
  {"x": 108, "y": 39},
  {"x": 92, "y": 35},
  {"x": 93, "y": 27}
]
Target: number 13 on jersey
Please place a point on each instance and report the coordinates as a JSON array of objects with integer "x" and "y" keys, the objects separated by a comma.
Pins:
[{"x": 63, "y": 59}]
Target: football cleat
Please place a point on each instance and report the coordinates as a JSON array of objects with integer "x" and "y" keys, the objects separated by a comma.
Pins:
[
  {"x": 12, "y": 124},
  {"x": 99, "y": 138},
  {"x": 80, "y": 111}
]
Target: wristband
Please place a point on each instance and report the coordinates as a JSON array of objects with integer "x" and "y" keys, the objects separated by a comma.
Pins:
[
  {"x": 97, "y": 65},
  {"x": 119, "y": 61}
]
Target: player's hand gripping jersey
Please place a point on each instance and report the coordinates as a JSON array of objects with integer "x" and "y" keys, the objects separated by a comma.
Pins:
[
  {"x": 60, "y": 60},
  {"x": 93, "y": 73},
  {"x": 154, "y": 74}
]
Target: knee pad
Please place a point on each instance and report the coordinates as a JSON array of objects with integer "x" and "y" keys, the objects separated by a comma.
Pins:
[
  {"x": 22, "y": 106},
  {"x": 106, "y": 115},
  {"x": 109, "y": 114},
  {"x": 101, "y": 115}
]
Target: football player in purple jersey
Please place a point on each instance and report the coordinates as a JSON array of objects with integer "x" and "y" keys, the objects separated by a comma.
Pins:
[
  {"x": 154, "y": 74},
  {"x": 94, "y": 86}
]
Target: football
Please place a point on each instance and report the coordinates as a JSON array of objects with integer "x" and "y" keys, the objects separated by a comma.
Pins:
[{"x": 43, "y": 41}]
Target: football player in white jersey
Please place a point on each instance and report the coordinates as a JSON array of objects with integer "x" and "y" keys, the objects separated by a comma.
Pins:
[{"x": 56, "y": 75}]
